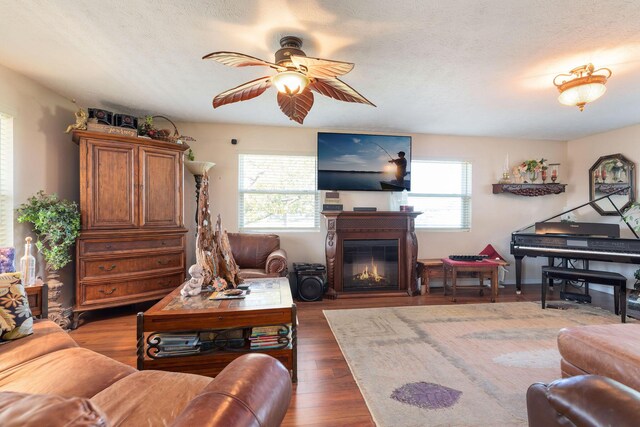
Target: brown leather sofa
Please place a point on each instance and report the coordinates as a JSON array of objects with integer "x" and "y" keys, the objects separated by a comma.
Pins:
[
  {"x": 585, "y": 400},
  {"x": 254, "y": 390},
  {"x": 258, "y": 255},
  {"x": 600, "y": 367},
  {"x": 612, "y": 351}
]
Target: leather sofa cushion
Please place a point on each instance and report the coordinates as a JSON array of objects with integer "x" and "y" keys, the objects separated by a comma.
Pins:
[
  {"x": 37, "y": 410},
  {"x": 609, "y": 350},
  {"x": 47, "y": 337},
  {"x": 252, "y": 250},
  {"x": 149, "y": 398},
  {"x": 72, "y": 372}
]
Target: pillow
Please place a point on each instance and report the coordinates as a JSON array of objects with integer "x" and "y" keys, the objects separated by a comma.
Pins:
[
  {"x": 36, "y": 410},
  {"x": 16, "y": 320},
  {"x": 7, "y": 258}
]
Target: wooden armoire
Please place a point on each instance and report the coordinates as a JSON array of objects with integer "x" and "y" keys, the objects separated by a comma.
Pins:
[{"x": 132, "y": 242}]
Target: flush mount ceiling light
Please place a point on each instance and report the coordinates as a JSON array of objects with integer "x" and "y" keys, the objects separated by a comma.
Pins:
[
  {"x": 584, "y": 87},
  {"x": 296, "y": 76}
]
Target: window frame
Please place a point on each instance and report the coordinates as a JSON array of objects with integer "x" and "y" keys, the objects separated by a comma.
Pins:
[
  {"x": 281, "y": 229},
  {"x": 465, "y": 197}
]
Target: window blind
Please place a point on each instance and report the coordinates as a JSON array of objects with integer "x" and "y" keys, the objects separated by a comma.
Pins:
[
  {"x": 442, "y": 191},
  {"x": 6, "y": 180},
  {"x": 278, "y": 192}
]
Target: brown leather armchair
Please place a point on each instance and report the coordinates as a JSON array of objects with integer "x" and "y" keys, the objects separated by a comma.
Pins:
[
  {"x": 585, "y": 400},
  {"x": 258, "y": 255}
]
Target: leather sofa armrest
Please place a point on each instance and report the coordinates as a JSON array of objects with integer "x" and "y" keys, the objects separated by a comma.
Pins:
[
  {"x": 586, "y": 400},
  {"x": 253, "y": 390},
  {"x": 277, "y": 262}
]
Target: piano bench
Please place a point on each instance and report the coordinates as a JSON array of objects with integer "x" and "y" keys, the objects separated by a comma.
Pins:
[{"x": 608, "y": 278}]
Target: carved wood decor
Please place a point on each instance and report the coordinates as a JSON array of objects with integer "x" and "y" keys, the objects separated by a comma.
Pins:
[
  {"x": 530, "y": 190},
  {"x": 343, "y": 226}
]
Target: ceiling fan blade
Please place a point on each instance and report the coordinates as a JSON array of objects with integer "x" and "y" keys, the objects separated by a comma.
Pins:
[
  {"x": 337, "y": 89},
  {"x": 321, "y": 68},
  {"x": 243, "y": 92},
  {"x": 296, "y": 106},
  {"x": 235, "y": 59}
]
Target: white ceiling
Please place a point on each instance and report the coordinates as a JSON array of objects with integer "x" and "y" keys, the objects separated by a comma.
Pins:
[{"x": 431, "y": 66}]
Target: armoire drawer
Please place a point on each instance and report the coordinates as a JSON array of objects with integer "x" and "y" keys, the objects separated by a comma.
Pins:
[
  {"x": 95, "y": 268},
  {"x": 128, "y": 289},
  {"x": 99, "y": 247}
]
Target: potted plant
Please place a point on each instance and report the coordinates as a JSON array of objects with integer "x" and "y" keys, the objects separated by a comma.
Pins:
[{"x": 57, "y": 225}]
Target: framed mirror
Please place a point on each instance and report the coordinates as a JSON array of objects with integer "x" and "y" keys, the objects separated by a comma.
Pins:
[{"x": 611, "y": 174}]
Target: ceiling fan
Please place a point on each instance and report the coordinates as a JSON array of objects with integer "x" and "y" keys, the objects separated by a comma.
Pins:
[{"x": 296, "y": 76}]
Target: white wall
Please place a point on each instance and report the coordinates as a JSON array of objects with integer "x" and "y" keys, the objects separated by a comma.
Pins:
[
  {"x": 44, "y": 156},
  {"x": 582, "y": 154},
  {"x": 494, "y": 216}
]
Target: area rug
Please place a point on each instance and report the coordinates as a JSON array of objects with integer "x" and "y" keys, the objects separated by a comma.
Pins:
[{"x": 454, "y": 365}]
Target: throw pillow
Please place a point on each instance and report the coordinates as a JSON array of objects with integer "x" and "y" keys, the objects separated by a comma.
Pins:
[
  {"x": 7, "y": 260},
  {"x": 16, "y": 320},
  {"x": 36, "y": 410}
]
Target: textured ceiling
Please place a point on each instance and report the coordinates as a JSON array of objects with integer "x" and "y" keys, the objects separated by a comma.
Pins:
[{"x": 455, "y": 67}]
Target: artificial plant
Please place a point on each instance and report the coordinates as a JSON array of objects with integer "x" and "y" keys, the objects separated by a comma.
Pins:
[{"x": 56, "y": 223}]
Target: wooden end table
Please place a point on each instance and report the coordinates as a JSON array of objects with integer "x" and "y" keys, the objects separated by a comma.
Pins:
[
  {"x": 37, "y": 296},
  {"x": 268, "y": 304},
  {"x": 480, "y": 268}
]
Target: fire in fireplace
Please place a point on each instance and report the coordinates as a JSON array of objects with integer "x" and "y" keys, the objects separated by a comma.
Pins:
[{"x": 370, "y": 265}]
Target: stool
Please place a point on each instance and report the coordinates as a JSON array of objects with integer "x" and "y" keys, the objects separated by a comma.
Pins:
[
  {"x": 429, "y": 268},
  {"x": 481, "y": 268},
  {"x": 617, "y": 280}
]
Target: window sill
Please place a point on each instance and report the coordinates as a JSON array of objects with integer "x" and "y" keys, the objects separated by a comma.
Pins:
[
  {"x": 443, "y": 230},
  {"x": 278, "y": 230}
]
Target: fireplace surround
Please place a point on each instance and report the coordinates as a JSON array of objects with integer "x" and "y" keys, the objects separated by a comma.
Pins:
[{"x": 371, "y": 253}]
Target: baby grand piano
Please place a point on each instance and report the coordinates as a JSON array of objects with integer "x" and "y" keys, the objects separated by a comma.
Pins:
[{"x": 574, "y": 240}]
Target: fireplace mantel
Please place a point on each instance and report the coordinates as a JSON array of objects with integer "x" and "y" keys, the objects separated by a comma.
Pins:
[{"x": 346, "y": 225}]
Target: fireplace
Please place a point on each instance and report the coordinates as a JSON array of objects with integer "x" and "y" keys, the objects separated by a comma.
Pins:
[
  {"x": 371, "y": 253},
  {"x": 370, "y": 265}
]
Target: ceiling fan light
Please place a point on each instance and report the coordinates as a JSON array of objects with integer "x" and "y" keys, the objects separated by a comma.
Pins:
[{"x": 290, "y": 82}]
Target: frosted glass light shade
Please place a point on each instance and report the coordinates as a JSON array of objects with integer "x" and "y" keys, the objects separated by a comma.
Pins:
[
  {"x": 291, "y": 80},
  {"x": 197, "y": 167},
  {"x": 583, "y": 94}
]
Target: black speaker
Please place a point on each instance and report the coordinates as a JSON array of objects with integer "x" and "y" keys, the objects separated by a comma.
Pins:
[{"x": 308, "y": 281}]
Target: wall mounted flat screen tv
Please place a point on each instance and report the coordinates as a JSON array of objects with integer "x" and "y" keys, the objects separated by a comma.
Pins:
[{"x": 355, "y": 162}]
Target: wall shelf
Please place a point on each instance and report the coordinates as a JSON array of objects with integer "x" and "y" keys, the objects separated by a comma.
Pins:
[{"x": 530, "y": 190}]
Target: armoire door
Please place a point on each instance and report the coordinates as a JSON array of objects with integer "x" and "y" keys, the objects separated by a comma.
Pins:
[
  {"x": 161, "y": 187},
  {"x": 112, "y": 186}
]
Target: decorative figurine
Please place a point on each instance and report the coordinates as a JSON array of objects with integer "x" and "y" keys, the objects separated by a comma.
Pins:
[
  {"x": 81, "y": 121},
  {"x": 194, "y": 285}
]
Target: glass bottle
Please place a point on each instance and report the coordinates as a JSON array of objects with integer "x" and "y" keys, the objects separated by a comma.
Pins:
[{"x": 28, "y": 265}]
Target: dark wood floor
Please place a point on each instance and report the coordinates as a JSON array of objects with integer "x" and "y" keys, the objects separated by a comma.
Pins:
[{"x": 326, "y": 393}]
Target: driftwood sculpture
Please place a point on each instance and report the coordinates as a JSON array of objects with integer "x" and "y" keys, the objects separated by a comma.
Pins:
[
  {"x": 228, "y": 269},
  {"x": 213, "y": 251},
  {"x": 206, "y": 251}
]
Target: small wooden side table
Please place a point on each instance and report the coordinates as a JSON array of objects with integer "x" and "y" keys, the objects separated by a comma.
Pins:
[
  {"x": 429, "y": 268},
  {"x": 481, "y": 268}
]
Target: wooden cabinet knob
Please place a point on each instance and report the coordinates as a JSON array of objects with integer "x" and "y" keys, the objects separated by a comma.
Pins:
[
  {"x": 163, "y": 262},
  {"x": 103, "y": 268},
  {"x": 107, "y": 292}
]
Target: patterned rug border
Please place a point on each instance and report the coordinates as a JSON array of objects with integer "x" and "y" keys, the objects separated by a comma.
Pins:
[{"x": 588, "y": 307}]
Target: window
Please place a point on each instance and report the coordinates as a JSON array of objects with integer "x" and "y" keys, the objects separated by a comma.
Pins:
[
  {"x": 442, "y": 191},
  {"x": 278, "y": 192},
  {"x": 6, "y": 180}
]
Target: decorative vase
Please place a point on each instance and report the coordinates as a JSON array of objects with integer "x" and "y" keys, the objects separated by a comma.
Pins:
[
  {"x": 533, "y": 176},
  {"x": 57, "y": 313},
  {"x": 543, "y": 175}
]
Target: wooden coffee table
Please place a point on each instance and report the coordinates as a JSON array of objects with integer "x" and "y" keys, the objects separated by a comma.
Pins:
[{"x": 230, "y": 321}]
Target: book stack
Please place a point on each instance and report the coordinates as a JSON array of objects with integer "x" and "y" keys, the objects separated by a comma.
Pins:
[{"x": 266, "y": 337}]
